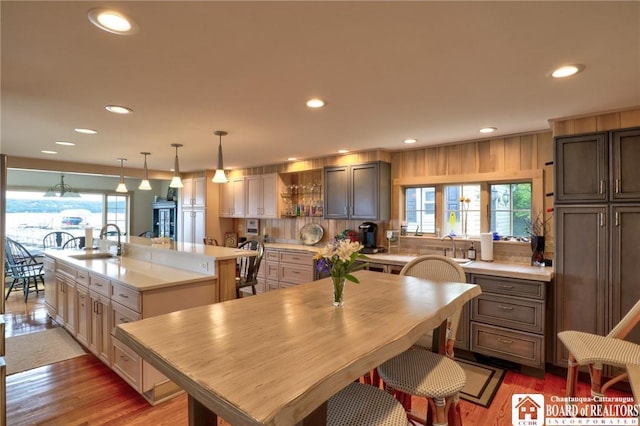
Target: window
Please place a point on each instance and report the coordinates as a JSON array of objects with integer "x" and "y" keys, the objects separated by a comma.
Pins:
[
  {"x": 420, "y": 209},
  {"x": 462, "y": 209},
  {"x": 29, "y": 216},
  {"x": 510, "y": 208}
]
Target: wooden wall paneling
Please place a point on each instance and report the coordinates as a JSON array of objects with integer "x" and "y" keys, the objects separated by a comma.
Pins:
[
  {"x": 497, "y": 155},
  {"x": 630, "y": 118},
  {"x": 484, "y": 157},
  {"x": 585, "y": 125},
  {"x": 528, "y": 152},
  {"x": 608, "y": 121},
  {"x": 455, "y": 164},
  {"x": 441, "y": 161},
  {"x": 512, "y": 150},
  {"x": 564, "y": 127},
  {"x": 470, "y": 157},
  {"x": 430, "y": 162}
]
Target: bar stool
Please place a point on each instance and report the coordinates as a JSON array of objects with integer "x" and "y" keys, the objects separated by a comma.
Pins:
[{"x": 364, "y": 405}]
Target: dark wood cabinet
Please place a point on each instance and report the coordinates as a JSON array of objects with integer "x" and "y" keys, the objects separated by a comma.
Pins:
[
  {"x": 625, "y": 165},
  {"x": 360, "y": 191},
  {"x": 581, "y": 168},
  {"x": 164, "y": 219}
]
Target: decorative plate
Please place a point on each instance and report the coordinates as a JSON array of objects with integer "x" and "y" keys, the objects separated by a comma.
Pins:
[
  {"x": 231, "y": 239},
  {"x": 311, "y": 233}
]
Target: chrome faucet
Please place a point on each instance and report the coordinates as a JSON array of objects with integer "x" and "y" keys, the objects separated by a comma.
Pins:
[
  {"x": 103, "y": 233},
  {"x": 453, "y": 244}
]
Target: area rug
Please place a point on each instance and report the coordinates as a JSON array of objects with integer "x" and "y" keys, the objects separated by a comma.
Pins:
[
  {"x": 33, "y": 350},
  {"x": 483, "y": 382}
]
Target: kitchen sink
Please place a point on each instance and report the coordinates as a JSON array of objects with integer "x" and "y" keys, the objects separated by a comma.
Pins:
[
  {"x": 89, "y": 256},
  {"x": 461, "y": 261}
]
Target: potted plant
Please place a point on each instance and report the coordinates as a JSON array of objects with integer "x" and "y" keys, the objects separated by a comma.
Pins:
[{"x": 537, "y": 228}]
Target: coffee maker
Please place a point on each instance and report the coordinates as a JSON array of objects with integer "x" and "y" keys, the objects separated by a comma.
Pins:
[{"x": 368, "y": 237}]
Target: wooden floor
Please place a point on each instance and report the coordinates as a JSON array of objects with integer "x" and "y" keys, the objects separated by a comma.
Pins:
[{"x": 83, "y": 391}]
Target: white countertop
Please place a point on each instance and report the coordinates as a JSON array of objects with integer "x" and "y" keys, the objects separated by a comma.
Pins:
[
  {"x": 500, "y": 269},
  {"x": 215, "y": 252},
  {"x": 137, "y": 274}
]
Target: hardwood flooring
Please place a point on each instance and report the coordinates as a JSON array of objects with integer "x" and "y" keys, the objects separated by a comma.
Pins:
[{"x": 83, "y": 391}]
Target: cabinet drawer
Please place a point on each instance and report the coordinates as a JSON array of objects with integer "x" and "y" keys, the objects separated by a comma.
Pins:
[
  {"x": 82, "y": 277},
  {"x": 66, "y": 270},
  {"x": 271, "y": 255},
  {"x": 122, "y": 315},
  {"x": 296, "y": 258},
  {"x": 295, "y": 274},
  {"x": 270, "y": 270},
  {"x": 512, "y": 312},
  {"x": 523, "y": 348},
  {"x": 99, "y": 284},
  {"x": 510, "y": 286},
  {"x": 127, "y": 364},
  {"x": 126, "y": 296}
]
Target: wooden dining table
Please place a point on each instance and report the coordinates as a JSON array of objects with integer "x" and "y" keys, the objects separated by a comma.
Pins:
[{"x": 276, "y": 358}]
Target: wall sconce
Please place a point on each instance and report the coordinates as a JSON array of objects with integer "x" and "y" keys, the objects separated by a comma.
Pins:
[
  {"x": 219, "y": 176},
  {"x": 145, "y": 185},
  {"x": 121, "y": 186},
  {"x": 176, "y": 182}
]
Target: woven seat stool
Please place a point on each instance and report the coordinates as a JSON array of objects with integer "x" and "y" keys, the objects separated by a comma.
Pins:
[
  {"x": 426, "y": 374},
  {"x": 364, "y": 405}
]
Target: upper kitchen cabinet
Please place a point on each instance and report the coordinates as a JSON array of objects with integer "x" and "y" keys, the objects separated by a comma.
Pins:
[
  {"x": 625, "y": 158},
  {"x": 598, "y": 167},
  {"x": 193, "y": 193},
  {"x": 359, "y": 191},
  {"x": 232, "y": 198},
  {"x": 581, "y": 168},
  {"x": 262, "y": 196}
]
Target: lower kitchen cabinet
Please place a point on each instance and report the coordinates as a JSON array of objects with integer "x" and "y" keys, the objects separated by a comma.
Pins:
[
  {"x": 83, "y": 329},
  {"x": 286, "y": 268},
  {"x": 100, "y": 335},
  {"x": 508, "y": 320}
]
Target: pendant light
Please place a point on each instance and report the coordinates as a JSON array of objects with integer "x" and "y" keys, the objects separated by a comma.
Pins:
[
  {"x": 219, "y": 176},
  {"x": 176, "y": 182},
  {"x": 145, "y": 185},
  {"x": 121, "y": 186},
  {"x": 61, "y": 190}
]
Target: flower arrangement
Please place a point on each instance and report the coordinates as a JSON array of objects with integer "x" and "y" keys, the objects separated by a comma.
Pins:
[
  {"x": 338, "y": 259},
  {"x": 464, "y": 210}
]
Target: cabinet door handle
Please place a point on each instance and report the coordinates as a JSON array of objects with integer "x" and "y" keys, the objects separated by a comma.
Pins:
[
  {"x": 124, "y": 296},
  {"x": 506, "y": 287},
  {"x": 601, "y": 191},
  {"x": 602, "y": 219},
  {"x": 505, "y": 308},
  {"x": 505, "y": 341},
  {"x": 617, "y": 185},
  {"x": 98, "y": 284},
  {"x": 123, "y": 320},
  {"x": 617, "y": 218}
]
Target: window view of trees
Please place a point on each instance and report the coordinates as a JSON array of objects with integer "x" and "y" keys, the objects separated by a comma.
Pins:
[{"x": 510, "y": 208}]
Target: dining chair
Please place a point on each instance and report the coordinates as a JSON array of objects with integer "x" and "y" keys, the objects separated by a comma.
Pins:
[
  {"x": 147, "y": 234},
  {"x": 359, "y": 404},
  {"x": 56, "y": 239},
  {"x": 23, "y": 267},
  {"x": 248, "y": 266},
  {"x": 596, "y": 351},
  {"x": 423, "y": 373},
  {"x": 74, "y": 243}
]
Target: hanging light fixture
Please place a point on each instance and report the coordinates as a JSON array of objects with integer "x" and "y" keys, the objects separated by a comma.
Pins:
[
  {"x": 145, "y": 185},
  {"x": 176, "y": 182},
  {"x": 61, "y": 190},
  {"x": 121, "y": 185},
  {"x": 219, "y": 176}
]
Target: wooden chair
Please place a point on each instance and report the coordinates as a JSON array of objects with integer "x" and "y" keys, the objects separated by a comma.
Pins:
[
  {"x": 56, "y": 239},
  {"x": 209, "y": 241},
  {"x": 147, "y": 234},
  {"x": 24, "y": 268},
  {"x": 595, "y": 351},
  {"x": 364, "y": 405},
  {"x": 74, "y": 243},
  {"x": 248, "y": 266},
  {"x": 423, "y": 373}
]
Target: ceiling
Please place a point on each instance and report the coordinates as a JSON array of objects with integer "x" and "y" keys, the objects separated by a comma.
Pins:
[{"x": 435, "y": 71}]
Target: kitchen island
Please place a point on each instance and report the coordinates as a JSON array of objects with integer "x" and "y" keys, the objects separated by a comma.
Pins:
[{"x": 91, "y": 292}]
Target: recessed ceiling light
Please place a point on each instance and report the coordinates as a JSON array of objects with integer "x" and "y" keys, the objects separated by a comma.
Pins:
[
  {"x": 488, "y": 130},
  {"x": 118, "y": 109},
  {"x": 315, "y": 103},
  {"x": 343, "y": 151},
  {"x": 65, "y": 143},
  {"x": 86, "y": 131},
  {"x": 567, "y": 71},
  {"x": 112, "y": 21},
  {"x": 410, "y": 141},
  {"x": 48, "y": 152},
  {"x": 291, "y": 159}
]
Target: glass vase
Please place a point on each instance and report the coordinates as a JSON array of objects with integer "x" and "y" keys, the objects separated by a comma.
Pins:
[{"x": 338, "y": 291}]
